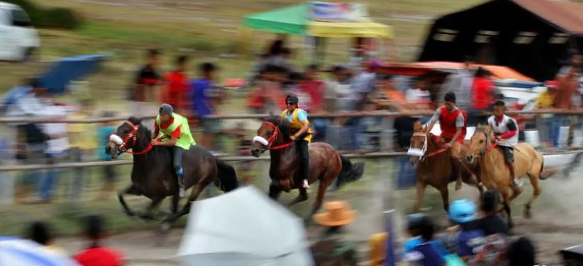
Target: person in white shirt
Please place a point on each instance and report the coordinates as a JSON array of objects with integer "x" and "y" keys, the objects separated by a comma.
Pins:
[{"x": 505, "y": 130}]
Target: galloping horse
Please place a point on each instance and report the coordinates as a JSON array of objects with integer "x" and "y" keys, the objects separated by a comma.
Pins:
[
  {"x": 495, "y": 174},
  {"x": 326, "y": 164},
  {"x": 153, "y": 175},
  {"x": 435, "y": 165}
]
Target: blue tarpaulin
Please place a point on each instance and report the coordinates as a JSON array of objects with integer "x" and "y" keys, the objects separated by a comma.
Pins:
[{"x": 65, "y": 70}]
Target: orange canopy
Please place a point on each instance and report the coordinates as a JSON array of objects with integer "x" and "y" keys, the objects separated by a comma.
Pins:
[{"x": 421, "y": 68}]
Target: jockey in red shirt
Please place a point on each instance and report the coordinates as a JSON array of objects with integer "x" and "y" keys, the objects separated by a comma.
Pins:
[{"x": 452, "y": 122}]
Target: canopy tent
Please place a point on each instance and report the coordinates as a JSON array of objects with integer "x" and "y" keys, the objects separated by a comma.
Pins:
[{"x": 294, "y": 20}]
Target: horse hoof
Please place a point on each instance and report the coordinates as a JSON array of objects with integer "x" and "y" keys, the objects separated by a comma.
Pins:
[
  {"x": 527, "y": 214},
  {"x": 458, "y": 186}
]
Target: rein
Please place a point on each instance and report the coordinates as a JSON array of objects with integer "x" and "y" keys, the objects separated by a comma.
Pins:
[
  {"x": 424, "y": 148},
  {"x": 133, "y": 135},
  {"x": 492, "y": 145},
  {"x": 273, "y": 138}
]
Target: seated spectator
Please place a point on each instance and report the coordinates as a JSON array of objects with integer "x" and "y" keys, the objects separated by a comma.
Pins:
[
  {"x": 40, "y": 232},
  {"x": 426, "y": 252},
  {"x": 331, "y": 248},
  {"x": 491, "y": 223},
  {"x": 416, "y": 224},
  {"x": 463, "y": 212},
  {"x": 97, "y": 255},
  {"x": 521, "y": 253}
]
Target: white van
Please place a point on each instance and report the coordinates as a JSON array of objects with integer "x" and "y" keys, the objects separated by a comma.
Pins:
[{"x": 18, "y": 38}]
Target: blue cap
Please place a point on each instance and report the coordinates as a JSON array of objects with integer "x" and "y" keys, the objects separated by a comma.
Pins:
[{"x": 462, "y": 211}]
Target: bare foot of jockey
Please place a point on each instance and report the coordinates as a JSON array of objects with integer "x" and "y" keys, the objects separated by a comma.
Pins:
[{"x": 306, "y": 184}]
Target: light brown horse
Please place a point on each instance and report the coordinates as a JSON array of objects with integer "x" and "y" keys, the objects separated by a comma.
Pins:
[
  {"x": 435, "y": 165},
  {"x": 494, "y": 173},
  {"x": 326, "y": 164}
]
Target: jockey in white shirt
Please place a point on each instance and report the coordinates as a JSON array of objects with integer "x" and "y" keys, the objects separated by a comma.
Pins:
[{"x": 505, "y": 130}]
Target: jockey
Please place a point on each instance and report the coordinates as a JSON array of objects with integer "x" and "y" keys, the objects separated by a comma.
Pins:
[
  {"x": 452, "y": 122},
  {"x": 176, "y": 127},
  {"x": 300, "y": 125},
  {"x": 505, "y": 129}
]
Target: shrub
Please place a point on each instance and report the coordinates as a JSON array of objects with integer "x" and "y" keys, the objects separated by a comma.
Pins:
[{"x": 63, "y": 18}]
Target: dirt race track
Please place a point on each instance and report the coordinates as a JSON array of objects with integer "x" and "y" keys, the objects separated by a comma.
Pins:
[{"x": 556, "y": 222}]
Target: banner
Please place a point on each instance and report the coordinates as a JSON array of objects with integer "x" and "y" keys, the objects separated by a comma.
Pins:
[{"x": 339, "y": 12}]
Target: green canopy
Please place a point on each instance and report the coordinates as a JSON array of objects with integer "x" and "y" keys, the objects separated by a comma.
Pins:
[{"x": 288, "y": 20}]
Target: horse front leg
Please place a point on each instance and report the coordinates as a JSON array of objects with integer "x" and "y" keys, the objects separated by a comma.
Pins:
[
  {"x": 131, "y": 190},
  {"x": 303, "y": 196},
  {"x": 420, "y": 194},
  {"x": 274, "y": 191},
  {"x": 445, "y": 197},
  {"x": 148, "y": 215}
]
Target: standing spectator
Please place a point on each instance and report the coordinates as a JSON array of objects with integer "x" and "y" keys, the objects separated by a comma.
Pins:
[
  {"x": 460, "y": 84},
  {"x": 482, "y": 96},
  {"x": 268, "y": 97},
  {"x": 336, "y": 96},
  {"x": 175, "y": 92},
  {"x": 292, "y": 86},
  {"x": 330, "y": 248},
  {"x": 83, "y": 144},
  {"x": 521, "y": 253},
  {"x": 57, "y": 151},
  {"x": 203, "y": 104},
  {"x": 244, "y": 149},
  {"x": 418, "y": 95},
  {"x": 94, "y": 229},
  {"x": 315, "y": 87},
  {"x": 143, "y": 90},
  {"x": 544, "y": 121},
  {"x": 109, "y": 174},
  {"x": 568, "y": 85},
  {"x": 40, "y": 233},
  {"x": 31, "y": 134}
]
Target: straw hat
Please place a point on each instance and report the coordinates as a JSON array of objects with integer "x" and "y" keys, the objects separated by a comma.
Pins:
[{"x": 337, "y": 213}]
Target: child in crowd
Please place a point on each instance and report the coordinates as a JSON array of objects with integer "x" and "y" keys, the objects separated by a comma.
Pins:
[
  {"x": 491, "y": 223},
  {"x": 465, "y": 240},
  {"x": 521, "y": 253},
  {"x": 94, "y": 229},
  {"x": 109, "y": 174},
  {"x": 40, "y": 233},
  {"x": 425, "y": 249},
  {"x": 416, "y": 223}
]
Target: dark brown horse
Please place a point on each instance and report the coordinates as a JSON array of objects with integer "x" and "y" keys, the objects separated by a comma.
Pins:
[
  {"x": 326, "y": 164},
  {"x": 435, "y": 166},
  {"x": 153, "y": 175}
]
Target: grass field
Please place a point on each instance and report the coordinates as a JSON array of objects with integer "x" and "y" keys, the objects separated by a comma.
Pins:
[{"x": 203, "y": 29}]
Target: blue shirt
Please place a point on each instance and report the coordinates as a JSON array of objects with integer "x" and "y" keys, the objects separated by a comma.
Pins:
[
  {"x": 412, "y": 243},
  {"x": 200, "y": 97},
  {"x": 103, "y": 133},
  {"x": 424, "y": 255},
  {"x": 302, "y": 116},
  {"x": 467, "y": 241}
]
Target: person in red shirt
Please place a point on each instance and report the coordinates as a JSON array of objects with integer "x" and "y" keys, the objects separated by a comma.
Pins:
[
  {"x": 176, "y": 89},
  {"x": 314, "y": 87},
  {"x": 482, "y": 96},
  {"x": 95, "y": 254},
  {"x": 452, "y": 122}
]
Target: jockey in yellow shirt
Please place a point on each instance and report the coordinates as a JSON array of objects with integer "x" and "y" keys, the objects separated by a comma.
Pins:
[
  {"x": 176, "y": 128},
  {"x": 302, "y": 134}
]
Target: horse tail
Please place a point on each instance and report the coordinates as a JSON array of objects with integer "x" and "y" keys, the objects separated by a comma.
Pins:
[
  {"x": 226, "y": 177},
  {"x": 350, "y": 172}
]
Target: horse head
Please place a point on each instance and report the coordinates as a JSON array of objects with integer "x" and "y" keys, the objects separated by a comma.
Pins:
[
  {"x": 272, "y": 133},
  {"x": 418, "y": 146},
  {"x": 479, "y": 143},
  {"x": 129, "y": 135}
]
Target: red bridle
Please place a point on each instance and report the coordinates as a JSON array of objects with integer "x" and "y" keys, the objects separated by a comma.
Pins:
[
  {"x": 133, "y": 135},
  {"x": 273, "y": 138}
]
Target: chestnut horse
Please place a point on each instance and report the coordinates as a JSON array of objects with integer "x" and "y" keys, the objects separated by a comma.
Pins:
[
  {"x": 494, "y": 173},
  {"x": 153, "y": 175},
  {"x": 435, "y": 165},
  {"x": 326, "y": 164}
]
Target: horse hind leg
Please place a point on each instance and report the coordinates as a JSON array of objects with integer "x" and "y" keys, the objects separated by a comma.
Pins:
[
  {"x": 506, "y": 204},
  {"x": 198, "y": 188},
  {"x": 131, "y": 190},
  {"x": 303, "y": 196},
  {"x": 148, "y": 215},
  {"x": 536, "y": 191}
]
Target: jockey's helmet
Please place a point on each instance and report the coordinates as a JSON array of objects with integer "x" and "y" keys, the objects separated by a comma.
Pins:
[{"x": 166, "y": 109}]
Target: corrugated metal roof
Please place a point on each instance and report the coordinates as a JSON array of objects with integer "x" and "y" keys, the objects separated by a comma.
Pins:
[{"x": 564, "y": 14}]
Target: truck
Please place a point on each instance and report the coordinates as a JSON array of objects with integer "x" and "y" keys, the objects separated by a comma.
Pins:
[{"x": 19, "y": 40}]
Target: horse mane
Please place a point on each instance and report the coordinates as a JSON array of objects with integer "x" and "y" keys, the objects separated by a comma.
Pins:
[{"x": 283, "y": 126}]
